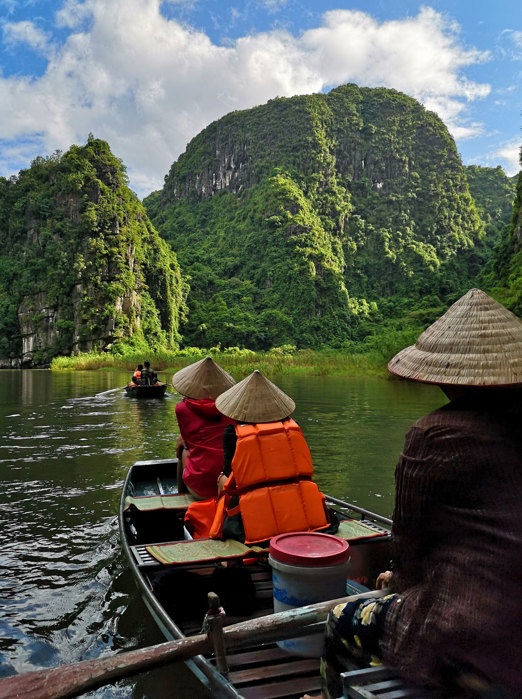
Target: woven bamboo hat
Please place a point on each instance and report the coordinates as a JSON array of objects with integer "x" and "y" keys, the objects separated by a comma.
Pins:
[
  {"x": 255, "y": 399},
  {"x": 203, "y": 379},
  {"x": 477, "y": 342}
]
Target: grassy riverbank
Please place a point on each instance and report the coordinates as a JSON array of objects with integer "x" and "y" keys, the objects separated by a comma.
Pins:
[{"x": 367, "y": 358}]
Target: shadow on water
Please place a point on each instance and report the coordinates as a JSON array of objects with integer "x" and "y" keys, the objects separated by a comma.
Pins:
[{"x": 67, "y": 441}]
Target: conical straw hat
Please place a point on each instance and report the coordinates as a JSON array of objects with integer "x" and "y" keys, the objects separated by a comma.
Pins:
[
  {"x": 255, "y": 399},
  {"x": 203, "y": 379},
  {"x": 477, "y": 342}
]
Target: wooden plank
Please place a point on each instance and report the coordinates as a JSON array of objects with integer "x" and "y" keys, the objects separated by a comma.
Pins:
[
  {"x": 143, "y": 557},
  {"x": 265, "y": 655},
  {"x": 290, "y": 688},
  {"x": 265, "y": 672},
  {"x": 358, "y": 693},
  {"x": 403, "y": 692},
  {"x": 367, "y": 674},
  {"x": 386, "y": 686}
]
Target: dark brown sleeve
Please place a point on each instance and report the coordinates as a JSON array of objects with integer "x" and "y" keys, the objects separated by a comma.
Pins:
[{"x": 425, "y": 478}]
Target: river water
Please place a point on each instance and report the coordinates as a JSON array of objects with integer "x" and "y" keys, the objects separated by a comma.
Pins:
[{"x": 65, "y": 592}]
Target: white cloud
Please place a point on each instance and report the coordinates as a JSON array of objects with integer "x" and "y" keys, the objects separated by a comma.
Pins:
[
  {"x": 25, "y": 32},
  {"x": 509, "y": 155},
  {"x": 147, "y": 84},
  {"x": 273, "y": 5},
  {"x": 10, "y": 5},
  {"x": 514, "y": 48}
]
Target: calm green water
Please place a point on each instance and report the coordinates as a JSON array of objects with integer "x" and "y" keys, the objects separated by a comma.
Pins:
[{"x": 65, "y": 592}]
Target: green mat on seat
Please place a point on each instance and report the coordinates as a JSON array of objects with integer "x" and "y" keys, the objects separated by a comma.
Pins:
[
  {"x": 202, "y": 550},
  {"x": 354, "y": 529},
  {"x": 159, "y": 502}
]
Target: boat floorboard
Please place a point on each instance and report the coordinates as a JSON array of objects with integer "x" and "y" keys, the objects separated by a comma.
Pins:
[
  {"x": 263, "y": 655},
  {"x": 270, "y": 672},
  {"x": 294, "y": 687},
  {"x": 298, "y": 667}
]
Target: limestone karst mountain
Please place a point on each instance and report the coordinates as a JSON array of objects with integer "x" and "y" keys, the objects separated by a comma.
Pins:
[
  {"x": 81, "y": 267},
  {"x": 306, "y": 219}
]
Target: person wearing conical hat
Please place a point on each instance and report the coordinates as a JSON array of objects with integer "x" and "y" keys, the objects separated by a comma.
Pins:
[
  {"x": 267, "y": 476},
  {"x": 455, "y": 607},
  {"x": 201, "y": 425}
]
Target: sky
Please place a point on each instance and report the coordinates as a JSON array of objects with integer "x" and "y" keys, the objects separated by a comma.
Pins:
[{"x": 147, "y": 76}]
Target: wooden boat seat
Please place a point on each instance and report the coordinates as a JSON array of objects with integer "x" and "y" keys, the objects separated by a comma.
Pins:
[
  {"x": 148, "y": 503},
  {"x": 195, "y": 551},
  {"x": 380, "y": 682},
  {"x": 204, "y": 551},
  {"x": 356, "y": 530}
]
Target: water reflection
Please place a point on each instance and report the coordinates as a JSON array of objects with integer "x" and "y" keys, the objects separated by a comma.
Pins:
[
  {"x": 65, "y": 592},
  {"x": 355, "y": 428}
]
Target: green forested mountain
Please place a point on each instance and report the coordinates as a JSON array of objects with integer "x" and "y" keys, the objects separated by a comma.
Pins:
[
  {"x": 504, "y": 274},
  {"x": 80, "y": 265},
  {"x": 493, "y": 192},
  {"x": 311, "y": 220}
]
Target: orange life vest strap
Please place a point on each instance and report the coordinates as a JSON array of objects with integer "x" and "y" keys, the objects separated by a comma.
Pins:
[
  {"x": 216, "y": 530},
  {"x": 272, "y": 451}
]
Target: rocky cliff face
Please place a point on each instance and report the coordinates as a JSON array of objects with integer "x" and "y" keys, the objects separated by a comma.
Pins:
[
  {"x": 81, "y": 267},
  {"x": 305, "y": 218}
]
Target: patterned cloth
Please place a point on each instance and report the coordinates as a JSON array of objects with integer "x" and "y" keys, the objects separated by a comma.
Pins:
[
  {"x": 356, "y": 627},
  {"x": 201, "y": 550}
]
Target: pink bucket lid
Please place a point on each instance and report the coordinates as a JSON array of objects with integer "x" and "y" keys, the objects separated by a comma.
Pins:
[{"x": 309, "y": 549}]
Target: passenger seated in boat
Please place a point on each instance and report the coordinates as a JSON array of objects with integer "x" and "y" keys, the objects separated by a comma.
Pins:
[
  {"x": 136, "y": 377},
  {"x": 147, "y": 375},
  {"x": 201, "y": 425},
  {"x": 267, "y": 475},
  {"x": 457, "y": 525}
]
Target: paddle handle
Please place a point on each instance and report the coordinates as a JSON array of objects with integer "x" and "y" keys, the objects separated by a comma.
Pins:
[{"x": 70, "y": 680}]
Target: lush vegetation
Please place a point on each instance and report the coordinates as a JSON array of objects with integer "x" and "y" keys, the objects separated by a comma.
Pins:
[
  {"x": 342, "y": 223},
  {"x": 503, "y": 275},
  {"x": 493, "y": 193},
  {"x": 80, "y": 265},
  {"x": 363, "y": 358},
  {"x": 319, "y": 220}
]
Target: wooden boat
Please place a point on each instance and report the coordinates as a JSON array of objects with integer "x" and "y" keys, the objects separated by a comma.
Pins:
[
  {"x": 174, "y": 575},
  {"x": 152, "y": 391}
]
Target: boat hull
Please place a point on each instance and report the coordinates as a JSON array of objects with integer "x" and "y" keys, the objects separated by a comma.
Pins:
[
  {"x": 169, "y": 591},
  {"x": 156, "y": 391}
]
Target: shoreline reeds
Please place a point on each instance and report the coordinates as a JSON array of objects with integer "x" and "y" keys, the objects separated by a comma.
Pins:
[
  {"x": 238, "y": 363},
  {"x": 365, "y": 358}
]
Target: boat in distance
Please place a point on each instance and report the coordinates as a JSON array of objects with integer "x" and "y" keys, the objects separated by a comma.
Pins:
[{"x": 148, "y": 391}]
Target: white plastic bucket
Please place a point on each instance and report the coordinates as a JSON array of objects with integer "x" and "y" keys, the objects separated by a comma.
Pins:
[{"x": 307, "y": 567}]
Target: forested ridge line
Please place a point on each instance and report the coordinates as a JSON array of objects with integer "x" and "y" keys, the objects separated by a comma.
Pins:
[
  {"x": 319, "y": 220},
  {"x": 341, "y": 222}
]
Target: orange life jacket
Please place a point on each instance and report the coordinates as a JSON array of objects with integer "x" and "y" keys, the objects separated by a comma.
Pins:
[
  {"x": 271, "y": 474},
  {"x": 137, "y": 374}
]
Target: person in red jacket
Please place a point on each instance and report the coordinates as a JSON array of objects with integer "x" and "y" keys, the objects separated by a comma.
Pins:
[{"x": 201, "y": 425}]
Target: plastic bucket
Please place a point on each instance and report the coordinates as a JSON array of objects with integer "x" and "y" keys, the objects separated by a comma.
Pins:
[{"x": 307, "y": 567}]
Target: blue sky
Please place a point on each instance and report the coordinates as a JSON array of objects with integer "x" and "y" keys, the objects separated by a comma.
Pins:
[{"x": 147, "y": 75}]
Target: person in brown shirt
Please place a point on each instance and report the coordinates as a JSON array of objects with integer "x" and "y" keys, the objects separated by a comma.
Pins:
[{"x": 456, "y": 577}]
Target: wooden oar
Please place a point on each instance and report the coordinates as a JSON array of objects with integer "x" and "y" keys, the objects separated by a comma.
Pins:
[
  {"x": 77, "y": 678},
  {"x": 111, "y": 390}
]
